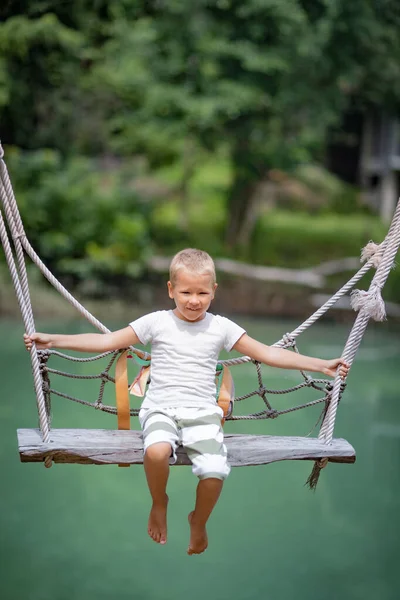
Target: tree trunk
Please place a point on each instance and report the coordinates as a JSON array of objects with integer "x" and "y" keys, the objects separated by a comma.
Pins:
[
  {"x": 189, "y": 166},
  {"x": 248, "y": 170}
]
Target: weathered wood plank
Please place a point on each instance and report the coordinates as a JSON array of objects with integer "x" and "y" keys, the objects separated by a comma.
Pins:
[{"x": 102, "y": 447}]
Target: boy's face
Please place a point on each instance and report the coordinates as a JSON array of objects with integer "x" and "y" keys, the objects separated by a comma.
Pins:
[{"x": 192, "y": 293}]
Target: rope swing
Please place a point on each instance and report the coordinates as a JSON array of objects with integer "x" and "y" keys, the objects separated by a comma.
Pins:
[{"x": 124, "y": 446}]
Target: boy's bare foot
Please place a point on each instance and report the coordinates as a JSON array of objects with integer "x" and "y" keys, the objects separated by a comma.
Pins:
[
  {"x": 157, "y": 527},
  {"x": 198, "y": 537}
]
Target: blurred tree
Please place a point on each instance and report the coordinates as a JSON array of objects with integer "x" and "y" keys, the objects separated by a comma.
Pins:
[
  {"x": 265, "y": 79},
  {"x": 39, "y": 59},
  {"x": 79, "y": 229}
]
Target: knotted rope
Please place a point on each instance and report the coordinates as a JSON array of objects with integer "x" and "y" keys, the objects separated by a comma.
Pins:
[
  {"x": 20, "y": 281},
  {"x": 369, "y": 304}
]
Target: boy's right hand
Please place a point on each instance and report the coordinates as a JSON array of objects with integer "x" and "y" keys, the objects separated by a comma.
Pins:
[{"x": 42, "y": 341}]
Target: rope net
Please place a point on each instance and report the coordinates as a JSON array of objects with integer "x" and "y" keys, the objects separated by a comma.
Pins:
[
  {"x": 323, "y": 386},
  {"x": 369, "y": 304}
]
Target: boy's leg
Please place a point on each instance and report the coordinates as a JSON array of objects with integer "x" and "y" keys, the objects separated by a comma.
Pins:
[
  {"x": 160, "y": 438},
  {"x": 203, "y": 438},
  {"x": 207, "y": 494},
  {"x": 156, "y": 466}
]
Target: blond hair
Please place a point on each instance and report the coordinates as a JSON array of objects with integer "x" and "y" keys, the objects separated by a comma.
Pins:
[{"x": 191, "y": 259}]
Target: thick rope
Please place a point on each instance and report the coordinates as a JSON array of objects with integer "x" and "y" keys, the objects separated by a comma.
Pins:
[
  {"x": 370, "y": 305},
  {"x": 316, "y": 315},
  {"x": 22, "y": 292}
]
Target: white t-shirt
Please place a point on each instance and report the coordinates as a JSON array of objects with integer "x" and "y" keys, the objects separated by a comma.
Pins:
[{"x": 184, "y": 357}]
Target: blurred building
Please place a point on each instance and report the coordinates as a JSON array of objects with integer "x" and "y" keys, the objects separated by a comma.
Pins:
[
  {"x": 366, "y": 152},
  {"x": 380, "y": 163}
]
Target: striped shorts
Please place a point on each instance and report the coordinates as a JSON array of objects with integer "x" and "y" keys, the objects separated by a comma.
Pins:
[{"x": 198, "y": 430}]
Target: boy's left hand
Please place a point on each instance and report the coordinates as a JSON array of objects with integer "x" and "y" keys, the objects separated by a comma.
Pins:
[{"x": 332, "y": 365}]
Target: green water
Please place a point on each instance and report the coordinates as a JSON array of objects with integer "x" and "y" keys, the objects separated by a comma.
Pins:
[{"x": 79, "y": 532}]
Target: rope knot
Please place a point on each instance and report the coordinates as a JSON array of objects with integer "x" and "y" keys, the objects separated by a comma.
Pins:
[
  {"x": 288, "y": 340},
  {"x": 104, "y": 376},
  {"x": 370, "y": 252},
  {"x": 371, "y": 302},
  {"x": 273, "y": 414},
  {"x": 17, "y": 236},
  {"x": 309, "y": 380},
  {"x": 43, "y": 355}
]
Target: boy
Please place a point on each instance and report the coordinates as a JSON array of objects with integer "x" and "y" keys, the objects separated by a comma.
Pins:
[{"x": 180, "y": 404}]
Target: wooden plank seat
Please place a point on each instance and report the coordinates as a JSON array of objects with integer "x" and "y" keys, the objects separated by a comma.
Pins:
[{"x": 102, "y": 447}]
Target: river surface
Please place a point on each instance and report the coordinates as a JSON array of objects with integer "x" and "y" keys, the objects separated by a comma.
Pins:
[{"x": 79, "y": 532}]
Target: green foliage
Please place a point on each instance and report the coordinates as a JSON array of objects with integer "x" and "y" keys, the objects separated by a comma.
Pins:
[
  {"x": 39, "y": 68},
  {"x": 83, "y": 221},
  {"x": 19, "y": 35},
  {"x": 4, "y": 84},
  {"x": 267, "y": 78}
]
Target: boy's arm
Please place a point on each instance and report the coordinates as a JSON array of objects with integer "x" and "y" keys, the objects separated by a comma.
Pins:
[
  {"x": 84, "y": 342},
  {"x": 285, "y": 359}
]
